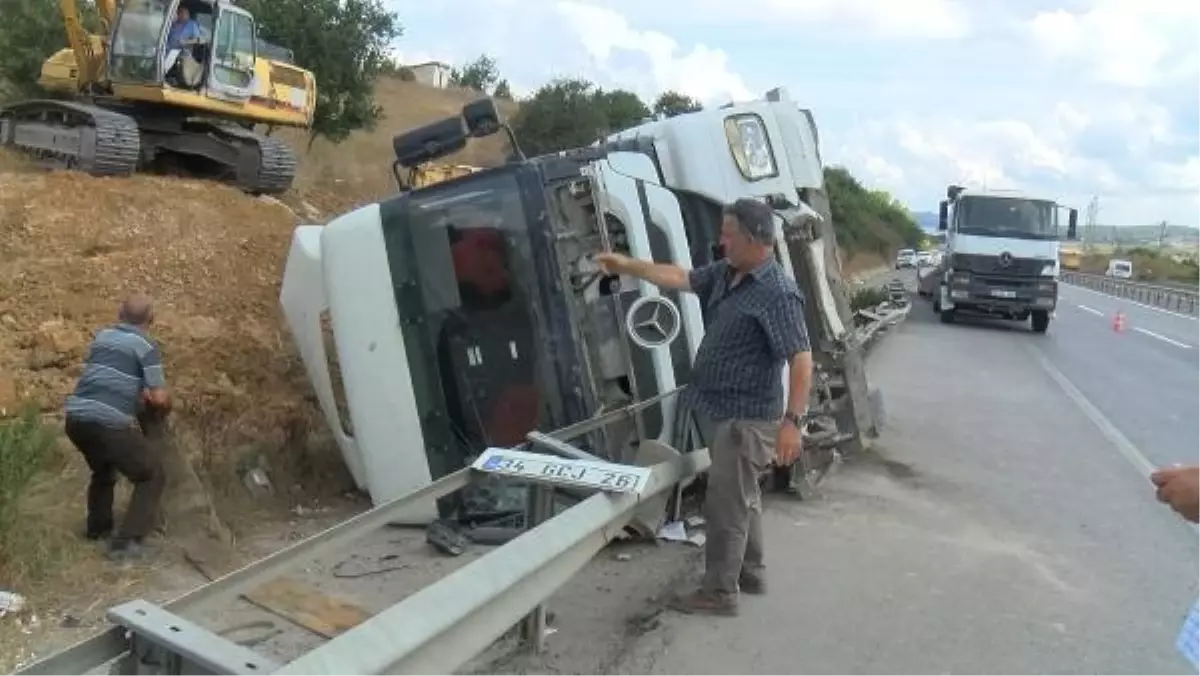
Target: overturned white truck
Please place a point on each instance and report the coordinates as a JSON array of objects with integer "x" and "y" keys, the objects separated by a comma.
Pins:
[{"x": 468, "y": 314}]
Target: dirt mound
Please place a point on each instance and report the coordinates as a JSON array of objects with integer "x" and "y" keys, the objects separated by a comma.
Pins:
[{"x": 71, "y": 246}]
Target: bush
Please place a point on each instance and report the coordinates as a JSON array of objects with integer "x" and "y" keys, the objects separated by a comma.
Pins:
[
  {"x": 868, "y": 297},
  {"x": 406, "y": 74},
  {"x": 25, "y": 445}
]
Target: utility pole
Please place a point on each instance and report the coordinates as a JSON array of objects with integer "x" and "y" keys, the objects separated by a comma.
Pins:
[
  {"x": 1089, "y": 225},
  {"x": 1162, "y": 236}
]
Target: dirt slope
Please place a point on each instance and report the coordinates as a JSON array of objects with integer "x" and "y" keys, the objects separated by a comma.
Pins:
[{"x": 72, "y": 245}]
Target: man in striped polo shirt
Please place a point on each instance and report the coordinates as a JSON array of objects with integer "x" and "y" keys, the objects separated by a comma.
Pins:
[{"x": 123, "y": 372}]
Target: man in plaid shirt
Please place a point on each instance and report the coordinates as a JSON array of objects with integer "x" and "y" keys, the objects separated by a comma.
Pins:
[{"x": 754, "y": 316}]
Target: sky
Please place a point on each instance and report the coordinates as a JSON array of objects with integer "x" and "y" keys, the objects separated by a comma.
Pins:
[{"x": 1068, "y": 99}]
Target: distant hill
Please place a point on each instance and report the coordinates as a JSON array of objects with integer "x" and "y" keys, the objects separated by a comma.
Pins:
[
  {"x": 1139, "y": 234},
  {"x": 928, "y": 220},
  {"x": 1116, "y": 234}
]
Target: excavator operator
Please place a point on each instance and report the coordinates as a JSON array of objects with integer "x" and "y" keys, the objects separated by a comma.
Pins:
[
  {"x": 184, "y": 58},
  {"x": 184, "y": 31}
]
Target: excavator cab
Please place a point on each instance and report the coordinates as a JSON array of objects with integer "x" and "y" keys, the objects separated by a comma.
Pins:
[{"x": 219, "y": 63}]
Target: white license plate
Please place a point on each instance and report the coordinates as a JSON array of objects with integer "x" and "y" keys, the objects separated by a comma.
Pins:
[
  {"x": 1004, "y": 293},
  {"x": 603, "y": 476}
]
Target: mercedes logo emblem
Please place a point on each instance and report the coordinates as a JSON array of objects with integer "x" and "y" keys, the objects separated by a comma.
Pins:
[
  {"x": 660, "y": 326},
  {"x": 1005, "y": 259}
]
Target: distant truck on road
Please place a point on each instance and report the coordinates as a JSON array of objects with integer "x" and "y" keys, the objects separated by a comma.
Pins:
[
  {"x": 1121, "y": 269},
  {"x": 1001, "y": 257},
  {"x": 1070, "y": 257}
]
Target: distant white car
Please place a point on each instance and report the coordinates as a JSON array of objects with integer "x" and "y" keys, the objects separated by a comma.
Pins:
[
  {"x": 1120, "y": 269},
  {"x": 926, "y": 259},
  {"x": 906, "y": 258}
]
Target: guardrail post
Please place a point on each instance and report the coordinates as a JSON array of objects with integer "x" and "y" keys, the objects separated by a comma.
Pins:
[{"x": 539, "y": 510}]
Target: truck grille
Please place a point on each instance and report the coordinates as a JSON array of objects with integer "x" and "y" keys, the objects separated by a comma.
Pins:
[{"x": 985, "y": 264}]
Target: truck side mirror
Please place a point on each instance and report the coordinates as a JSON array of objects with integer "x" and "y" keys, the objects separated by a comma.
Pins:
[
  {"x": 943, "y": 215},
  {"x": 1072, "y": 224}
]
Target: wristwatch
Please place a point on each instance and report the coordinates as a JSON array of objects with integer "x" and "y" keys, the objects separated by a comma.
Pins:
[{"x": 796, "y": 419}]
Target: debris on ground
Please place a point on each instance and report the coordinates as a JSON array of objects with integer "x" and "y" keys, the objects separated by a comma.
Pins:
[{"x": 11, "y": 603}]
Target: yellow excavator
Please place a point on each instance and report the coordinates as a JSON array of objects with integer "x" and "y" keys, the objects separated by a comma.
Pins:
[{"x": 167, "y": 85}]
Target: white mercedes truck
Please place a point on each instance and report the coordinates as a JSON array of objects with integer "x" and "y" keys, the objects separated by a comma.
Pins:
[
  {"x": 464, "y": 315},
  {"x": 1000, "y": 256}
]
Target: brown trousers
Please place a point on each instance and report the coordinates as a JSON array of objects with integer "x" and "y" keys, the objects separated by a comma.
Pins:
[
  {"x": 741, "y": 452},
  {"x": 109, "y": 451}
]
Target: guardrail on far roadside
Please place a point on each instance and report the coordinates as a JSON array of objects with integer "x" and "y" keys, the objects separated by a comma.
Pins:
[{"x": 1183, "y": 301}]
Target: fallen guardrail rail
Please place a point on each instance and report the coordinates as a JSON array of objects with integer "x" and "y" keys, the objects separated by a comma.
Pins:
[
  {"x": 872, "y": 323},
  {"x": 443, "y": 625},
  {"x": 1183, "y": 301}
]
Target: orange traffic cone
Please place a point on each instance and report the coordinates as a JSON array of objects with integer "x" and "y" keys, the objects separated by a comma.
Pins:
[{"x": 1119, "y": 322}]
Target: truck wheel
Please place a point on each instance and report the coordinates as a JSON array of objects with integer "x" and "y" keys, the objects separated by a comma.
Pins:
[
  {"x": 947, "y": 316},
  {"x": 1041, "y": 321}
]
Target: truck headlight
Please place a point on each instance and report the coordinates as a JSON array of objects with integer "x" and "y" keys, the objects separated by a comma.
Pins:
[
  {"x": 1047, "y": 287},
  {"x": 1049, "y": 270},
  {"x": 751, "y": 148},
  {"x": 960, "y": 278}
]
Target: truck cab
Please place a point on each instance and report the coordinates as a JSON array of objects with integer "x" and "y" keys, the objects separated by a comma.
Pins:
[
  {"x": 464, "y": 314},
  {"x": 1001, "y": 256}
]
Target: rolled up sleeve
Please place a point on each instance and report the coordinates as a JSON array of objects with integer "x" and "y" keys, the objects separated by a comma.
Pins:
[
  {"x": 153, "y": 376},
  {"x": 784, "y": 325}
]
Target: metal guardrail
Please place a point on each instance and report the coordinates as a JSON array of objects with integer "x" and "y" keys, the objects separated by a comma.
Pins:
[
  {"x": 1183, "y": 301},
  {"x": 435, "y": 630}
]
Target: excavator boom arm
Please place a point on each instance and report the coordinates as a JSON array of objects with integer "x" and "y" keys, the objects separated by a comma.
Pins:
[
  {"x": 80, "y": 41},
  {"x": 108, "y": 12}
]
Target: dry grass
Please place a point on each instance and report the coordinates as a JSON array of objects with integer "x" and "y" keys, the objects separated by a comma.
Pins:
[{"x": 863, "y": 262}]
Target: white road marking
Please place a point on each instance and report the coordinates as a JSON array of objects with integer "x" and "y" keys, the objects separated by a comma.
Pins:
[
  {"x": 1110, "y": 431},
  {"x": 1090, "y": 309},
  {"x": 1161, "y": 337},
  {"x": 1133, "y": 302}
]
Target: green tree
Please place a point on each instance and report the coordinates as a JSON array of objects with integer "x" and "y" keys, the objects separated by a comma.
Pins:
[
  {"x": 345, "y": 45},
  {"x": 570, "y": 113},
  {"x": 503, "y": 91},
  {"x": 480, "y": 74},
  {"x": 868, "y": 220},
  {"x": 31, "y": 32},
  {"x": 672, "y": 103},
  {"x": 622, "y": 108}
]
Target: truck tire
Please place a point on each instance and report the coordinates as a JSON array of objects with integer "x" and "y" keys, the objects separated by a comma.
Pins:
[
  {"x": 947, "y": 316},
  {"x": 1040, "y": 320}
]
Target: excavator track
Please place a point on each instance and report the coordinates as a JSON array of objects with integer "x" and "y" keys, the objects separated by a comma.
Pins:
[
  {"x": 276, "y": 161},
  {"x": 73, "y": 135}
]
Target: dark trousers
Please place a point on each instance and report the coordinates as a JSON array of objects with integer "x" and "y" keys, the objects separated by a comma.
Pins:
[{"x": 109, "y": 451}]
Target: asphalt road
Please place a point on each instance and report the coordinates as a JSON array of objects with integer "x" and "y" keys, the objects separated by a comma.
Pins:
[
  {"x": 1145, "y": 379},
  {"x": 1001, "y": 526}
]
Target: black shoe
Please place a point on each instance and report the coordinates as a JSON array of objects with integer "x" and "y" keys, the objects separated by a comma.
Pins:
[
  {"x": 126, "y": 551},
  {"x": 95, "y": 535}
]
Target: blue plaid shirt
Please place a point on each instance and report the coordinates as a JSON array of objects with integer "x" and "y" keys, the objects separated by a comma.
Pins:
[{"x": 751, "y": 331}]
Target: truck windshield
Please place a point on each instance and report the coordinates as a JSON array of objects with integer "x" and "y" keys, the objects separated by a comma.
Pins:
[
  {"x": 1007, "y": 217},
  {"x": 470, "y": 242}
]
